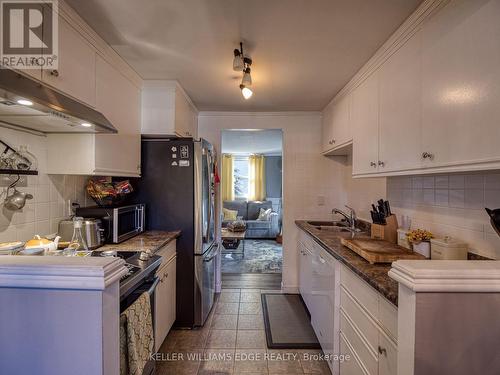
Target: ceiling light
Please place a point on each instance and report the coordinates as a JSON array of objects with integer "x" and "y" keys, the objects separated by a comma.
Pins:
[
  {"x": 247, "y": 93},
  {"x": 86, "y": 125},
  {"x": 247, "y": 78},
  {"x": 238, "y": 65},
  {"x": 24, "y": 102}
]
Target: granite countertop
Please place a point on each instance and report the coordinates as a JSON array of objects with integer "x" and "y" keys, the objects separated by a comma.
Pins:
[
  {"x": 374, "y": 274},
  {"x": 150, "y": 241}
]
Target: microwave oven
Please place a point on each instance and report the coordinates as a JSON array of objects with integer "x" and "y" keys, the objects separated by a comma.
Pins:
[{"x": 119, "y": 223}]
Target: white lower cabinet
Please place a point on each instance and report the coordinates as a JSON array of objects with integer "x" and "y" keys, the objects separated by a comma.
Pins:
[
  {"x": 165, "y": 294},
  {"x": 348, "y": 316}
]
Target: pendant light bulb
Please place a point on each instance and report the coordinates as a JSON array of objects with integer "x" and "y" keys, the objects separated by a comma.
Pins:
[
  {"x": 247, "y": 78},
  {"x": 238, "y": 65},
  {"x": 246, "y": 92}
]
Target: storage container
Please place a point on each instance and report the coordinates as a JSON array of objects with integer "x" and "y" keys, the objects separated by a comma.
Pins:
[
  {"x": 402, "y": 239},
  {"x": 448, "y": 248}
]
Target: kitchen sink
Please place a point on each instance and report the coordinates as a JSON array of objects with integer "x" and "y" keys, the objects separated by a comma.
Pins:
[{"x": 330, "y": 226}]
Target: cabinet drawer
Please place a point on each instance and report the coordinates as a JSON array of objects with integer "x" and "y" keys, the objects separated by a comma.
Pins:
[
  {"x": 363, "y": 352},
  {"x": 351, "y": 366},
  {"x": 388, "y": 317},
  {"x": 360, "y": 318},
  {"x": 167, "y": 252},
  {"x": 388, "y": 358},
  {"x": 363, "y": 293}
]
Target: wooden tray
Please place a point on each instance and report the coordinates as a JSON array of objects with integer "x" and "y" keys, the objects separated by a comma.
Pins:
[{"x": 379, "y": 251}]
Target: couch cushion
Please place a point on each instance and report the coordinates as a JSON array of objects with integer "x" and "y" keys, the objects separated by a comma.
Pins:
[
  {"x": 255, "y": 206},
  {"x": 229, "y": 214},
  {"x": 258, "y": 224},
  {"x": 240, "y": 206}
]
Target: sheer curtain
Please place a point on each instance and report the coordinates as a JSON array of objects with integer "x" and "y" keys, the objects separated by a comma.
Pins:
[
  {"x": 227, "y": 181},
  {"x": 256, "y": 178}
]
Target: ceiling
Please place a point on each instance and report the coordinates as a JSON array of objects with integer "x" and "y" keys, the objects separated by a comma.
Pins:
[
  {"x": 244, "y": 142},
  {"x": 304, "y": 51}
]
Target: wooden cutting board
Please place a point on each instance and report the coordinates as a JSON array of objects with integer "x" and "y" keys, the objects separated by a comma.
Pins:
[{"x": 379, "y": 251}]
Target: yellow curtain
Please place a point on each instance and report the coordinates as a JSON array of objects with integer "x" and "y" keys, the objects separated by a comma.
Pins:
[
  {"x": 256, "y": 178},
  {"x": 227, "y": 180}
]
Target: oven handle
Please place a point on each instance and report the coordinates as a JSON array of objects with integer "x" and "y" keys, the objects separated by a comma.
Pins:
[{"x": 156, "y": 281}]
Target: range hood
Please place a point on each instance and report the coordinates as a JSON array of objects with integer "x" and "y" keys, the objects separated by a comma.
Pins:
[{"x": 30, "y": 105}]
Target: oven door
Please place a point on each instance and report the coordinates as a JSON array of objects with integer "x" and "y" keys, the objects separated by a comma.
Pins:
[{"x": 127, "y": 222}]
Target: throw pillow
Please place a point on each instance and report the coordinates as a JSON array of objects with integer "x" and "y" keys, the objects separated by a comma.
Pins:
[
  {"x": 264, "y": 215},
  {"x": 229, "y": 215}
]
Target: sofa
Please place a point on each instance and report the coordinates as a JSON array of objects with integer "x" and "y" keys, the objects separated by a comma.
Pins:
[{"x": 249, "y": 212}]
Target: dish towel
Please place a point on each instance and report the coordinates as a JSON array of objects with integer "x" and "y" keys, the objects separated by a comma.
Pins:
[{"x": 136, "y": 336}]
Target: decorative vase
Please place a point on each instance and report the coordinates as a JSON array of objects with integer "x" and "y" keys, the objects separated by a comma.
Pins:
[{"x": 423, "y": 248}]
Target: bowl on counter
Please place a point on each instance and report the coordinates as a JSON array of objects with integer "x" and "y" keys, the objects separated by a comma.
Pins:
[{"x": 11, "y": 248}]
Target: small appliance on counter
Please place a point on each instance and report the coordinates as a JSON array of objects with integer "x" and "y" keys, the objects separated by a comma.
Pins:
[
  {"x": 494, "y": 219},
  {"x": 92, "y": 231},
  {"x": 119, "y": 223}
]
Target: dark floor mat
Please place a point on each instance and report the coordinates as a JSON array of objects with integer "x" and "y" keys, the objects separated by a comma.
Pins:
[{"x": 287, "y": 322}]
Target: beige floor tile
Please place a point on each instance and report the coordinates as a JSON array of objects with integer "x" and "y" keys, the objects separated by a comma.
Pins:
[
  {"x": 250, "y": 308},
  {"x": 230, "y": 297},
  {"x": 250, "y": 290},
  {"x": 284, "y": 362},
  {"x": 186, "y": 362},
  {"x": 225, "y": 322},
  {"x": 226, "y": 308},
  {"x": 217, "y": 361},
  {"x": 185, "y": 339},
  {"x": 251, "y": 339},
  {"x": 221, "y": 339},
  {"x": 228, "y": 290},
  {"x": 250, "y": 297},
  {"x": 255, "y": 321},
  {"x": 313, "y": 363},
  {"x": 250, "y": 361}
]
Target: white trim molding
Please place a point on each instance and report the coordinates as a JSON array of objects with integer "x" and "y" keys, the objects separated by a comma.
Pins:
[
  {"x": 447, "y": 275},
  {"x": 48, "y": 272}
]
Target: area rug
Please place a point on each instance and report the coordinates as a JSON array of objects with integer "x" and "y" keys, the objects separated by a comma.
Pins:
[
  {"x": 260, "y": 256},
  {"x": 287, "y": 322}
]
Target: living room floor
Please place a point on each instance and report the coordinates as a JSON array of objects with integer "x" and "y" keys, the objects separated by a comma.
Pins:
[{"x": 253, "y": 256}]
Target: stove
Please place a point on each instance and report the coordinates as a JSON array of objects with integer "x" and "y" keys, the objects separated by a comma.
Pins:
[{"x": 140, "y": 271}]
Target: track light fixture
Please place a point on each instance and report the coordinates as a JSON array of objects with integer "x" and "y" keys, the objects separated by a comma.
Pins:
[{"x": 242, "y": 63}]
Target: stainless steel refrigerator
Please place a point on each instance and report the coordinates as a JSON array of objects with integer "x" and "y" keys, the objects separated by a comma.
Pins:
[{"x": 177, "y": 186}]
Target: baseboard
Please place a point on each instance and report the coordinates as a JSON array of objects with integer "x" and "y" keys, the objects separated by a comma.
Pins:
[{"x": 290, "y": 289}]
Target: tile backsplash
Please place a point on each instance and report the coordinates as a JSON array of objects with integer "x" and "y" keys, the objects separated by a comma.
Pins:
[
  {"x": 52, "y": 194},
  {"x": 451, "y": 204}
]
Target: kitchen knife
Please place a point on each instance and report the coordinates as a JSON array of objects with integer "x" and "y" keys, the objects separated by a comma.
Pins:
[
  {"x": 388, "y": 208},
  {"x": 374, "y": 208}
]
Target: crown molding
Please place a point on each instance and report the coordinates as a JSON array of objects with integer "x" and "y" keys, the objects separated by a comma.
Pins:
[
  {"x": 409, "y": 27},
  {"x": 259, "y": 114},
  {"x": 447, "y": 275},
  {"x": 92, "y": 273}
]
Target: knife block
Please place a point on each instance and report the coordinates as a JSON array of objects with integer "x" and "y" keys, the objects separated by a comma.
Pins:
[{"x": 387, "y": 232}]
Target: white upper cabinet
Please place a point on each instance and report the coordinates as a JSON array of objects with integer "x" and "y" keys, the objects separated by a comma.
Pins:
[
  {"x": 400, "y": 109},
  {"x": 365, "y": 126},
  {"x": 336, "y": 124},
  {"x": 167, "y": 110},
  {"x": 461, "y": 85},
  {"x": 75, "y": 75},
  {"x": 438, "y": 92}
]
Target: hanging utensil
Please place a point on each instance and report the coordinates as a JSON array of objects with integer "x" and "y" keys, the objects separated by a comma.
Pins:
[{"x": 17, "y": 200}]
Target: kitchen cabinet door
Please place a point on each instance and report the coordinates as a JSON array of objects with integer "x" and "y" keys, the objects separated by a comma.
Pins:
[
  {"x": 387, "y": 356},
  {"x": 305, "y": 274},
  {"x": 461, "y": 85},
  {"x": 400, "y": 109},
  {"x": 119, "y": 100},
  {"x": 184, "y": 116},
  {"x": 327, "y": 128},
  {"x": 76, "y": 73},
  {"x": 336, "y": 124},
  {"x": 165, "y": 302},
  {"x": 365, "y": 124}
]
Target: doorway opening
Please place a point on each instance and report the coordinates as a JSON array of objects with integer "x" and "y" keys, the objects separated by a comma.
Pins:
[{"x": 252, "y": 207}]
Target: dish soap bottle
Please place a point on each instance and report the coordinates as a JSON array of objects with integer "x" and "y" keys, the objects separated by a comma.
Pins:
[{"x": 77, "y": 245}]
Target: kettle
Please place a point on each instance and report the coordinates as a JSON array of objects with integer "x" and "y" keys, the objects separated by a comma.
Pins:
[
  {"x": 494, "y": 219},
  {"x": 16, "y": 200},
  {"x": 38, "y": 242}
]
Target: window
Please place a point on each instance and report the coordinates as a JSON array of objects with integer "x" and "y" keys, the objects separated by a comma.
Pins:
[{"x": 241, "y": 177}]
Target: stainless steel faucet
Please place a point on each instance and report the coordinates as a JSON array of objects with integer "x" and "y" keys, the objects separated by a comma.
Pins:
[{"x": 351, "y": 217}]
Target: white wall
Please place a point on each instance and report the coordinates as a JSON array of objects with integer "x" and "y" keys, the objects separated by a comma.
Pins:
[
  {"x": 308, "y": 177},
  {"x": 52, "y": 193}
]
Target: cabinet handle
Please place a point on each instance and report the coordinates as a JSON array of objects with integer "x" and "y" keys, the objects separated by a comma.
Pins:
[
  {"x": 54, "y": 73},
  {"x": 382, "y": 351},
  {"x": 381, "y": 163},
  {"x": 373, "y": 164},
  {"x": 427, "y": 155},
  {"x": 164, "y": 277},
  {"x": 322, "y": 260}
]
